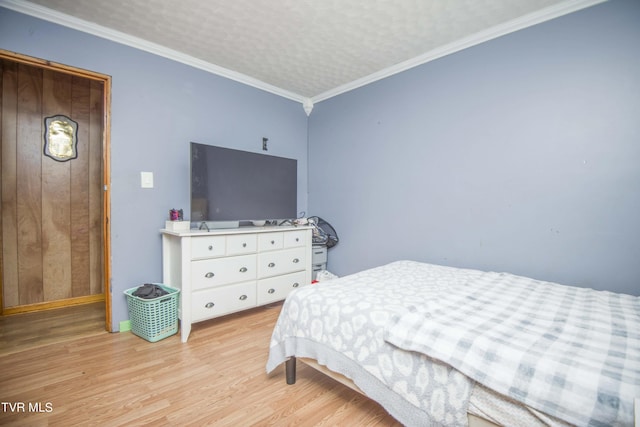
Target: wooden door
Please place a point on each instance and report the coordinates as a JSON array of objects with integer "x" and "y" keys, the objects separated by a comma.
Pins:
[{"x": 51, "y": 229}]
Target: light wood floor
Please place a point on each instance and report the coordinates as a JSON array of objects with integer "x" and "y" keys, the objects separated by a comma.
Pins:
[
  {"x": 217, "y": 378},
  {"x": 31, "y": 330}
]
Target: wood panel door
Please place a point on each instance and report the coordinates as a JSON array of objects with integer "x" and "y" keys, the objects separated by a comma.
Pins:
[{"x": 51, "y": 233}]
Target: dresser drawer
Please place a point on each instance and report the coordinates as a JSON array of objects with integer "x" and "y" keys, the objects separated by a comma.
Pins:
[
  {"x": 225, "y": 299},
  {"x": 207, "y": 246},
  {"x": 281, "y": 262},
  {"x": 318, "y": 255},
  {"x": 209, "y": 273},
  {"x": 270, "y": 241},
  {"x": 295, "y": 238},
  {"x": 242, "y": 244},
  {"x": 277, "y": 288}
]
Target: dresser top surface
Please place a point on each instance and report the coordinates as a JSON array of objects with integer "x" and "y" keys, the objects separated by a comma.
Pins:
[{"x": 239, "y": 230}]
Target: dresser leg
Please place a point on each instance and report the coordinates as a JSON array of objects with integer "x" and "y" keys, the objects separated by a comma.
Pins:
[{"x": 185, "y": 330}]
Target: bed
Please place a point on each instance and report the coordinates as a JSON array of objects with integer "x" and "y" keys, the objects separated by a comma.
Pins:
[{"x": 437, "y": 345}]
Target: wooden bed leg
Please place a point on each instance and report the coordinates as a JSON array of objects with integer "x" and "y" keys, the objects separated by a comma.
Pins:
[{"x": 290, "y": 370}]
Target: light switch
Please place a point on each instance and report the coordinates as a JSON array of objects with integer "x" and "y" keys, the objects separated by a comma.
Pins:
[{"x": 146, "y": 179}]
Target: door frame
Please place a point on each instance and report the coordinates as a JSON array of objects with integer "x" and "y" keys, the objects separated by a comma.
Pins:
[{"x": 106, "y": 166}]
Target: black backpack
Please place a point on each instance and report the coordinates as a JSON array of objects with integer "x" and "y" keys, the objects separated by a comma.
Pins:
[{"x": 323, "y": 232}]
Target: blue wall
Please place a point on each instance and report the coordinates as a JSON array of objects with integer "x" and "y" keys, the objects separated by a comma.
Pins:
[
  {"x": 158, "y": 107},
  {"x": 521, "y": 154}
]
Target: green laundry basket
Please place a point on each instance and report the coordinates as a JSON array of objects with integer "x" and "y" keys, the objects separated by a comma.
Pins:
[{"x": 156, "y": 318}]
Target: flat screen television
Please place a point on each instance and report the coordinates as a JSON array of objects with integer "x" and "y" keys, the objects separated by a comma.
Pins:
[{"x": 230, "y": 187}]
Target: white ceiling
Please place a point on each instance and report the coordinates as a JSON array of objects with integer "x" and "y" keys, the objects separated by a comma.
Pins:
[{"x": 306, "y": 50}]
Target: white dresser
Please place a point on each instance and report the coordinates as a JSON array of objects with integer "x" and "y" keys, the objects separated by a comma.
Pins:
[{"x": 223, "y": 271}]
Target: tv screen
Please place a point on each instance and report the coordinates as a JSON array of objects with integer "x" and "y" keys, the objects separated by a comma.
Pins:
[{"x": 235, "y": 185}]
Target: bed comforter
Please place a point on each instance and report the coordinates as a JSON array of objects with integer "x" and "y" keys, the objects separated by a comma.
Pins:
[
  {"x": 410, "y": 336},
  {"x": 340, "y": 323},
  {"x": 572, "y": 353}
]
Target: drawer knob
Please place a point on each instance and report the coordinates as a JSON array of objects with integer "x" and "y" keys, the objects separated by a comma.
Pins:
[
  {"x": 297, "y": 239},
  {"x": 210, "y": 247},
  {"x": 243, "y": 297},
  {"x": 209, "y": 275},
  {"x": 296, "y": 260},
  {"x": 296, "y": 284},
  {"x": 243, "y": 270},
  {"x": 244, "y": 245},
  {"x": 272, "y": 264},
  {"x": 271, "y": 290},
  {"x": 273, "y": 242},
  {"x": 209, "y": 305}
]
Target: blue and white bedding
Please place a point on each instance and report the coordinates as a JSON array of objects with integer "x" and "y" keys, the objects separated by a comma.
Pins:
[
  {"x": 569, "y": 352},
  {"x": 345, "y": 324},
  {"x": 340, "y": 324}
]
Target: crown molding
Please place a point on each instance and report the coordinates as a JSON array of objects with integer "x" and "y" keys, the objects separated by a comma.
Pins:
[
  {"x": 528, "y": 20},
  {"x": 307, "y": 104},
  {"x": 56, "y": 17},
  {"x": 525, "y": 21}
]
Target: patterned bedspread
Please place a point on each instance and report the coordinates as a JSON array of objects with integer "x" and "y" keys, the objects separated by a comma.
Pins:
[
  {"x": 569, "y": 352},
  {"x": 340, "y": 323}
]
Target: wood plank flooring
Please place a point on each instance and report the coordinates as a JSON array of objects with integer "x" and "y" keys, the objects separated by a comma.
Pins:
[
  {"x": 217, "y": 378},
  {"x": 25, "y": 331}
]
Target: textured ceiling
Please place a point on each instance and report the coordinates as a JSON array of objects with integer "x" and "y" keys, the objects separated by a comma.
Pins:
[{"x": 305, "y": 49}]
